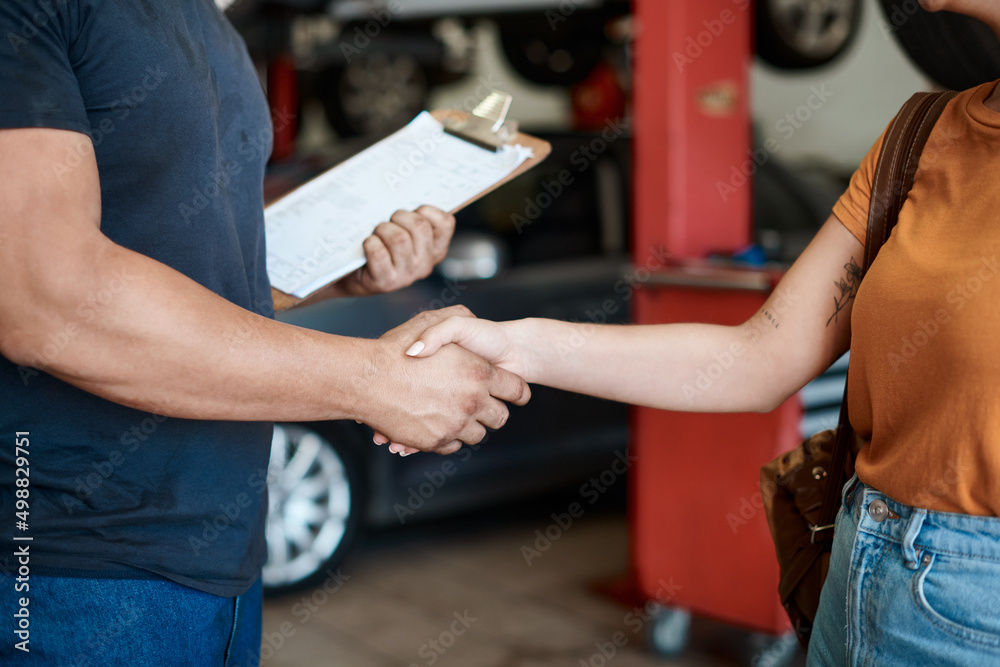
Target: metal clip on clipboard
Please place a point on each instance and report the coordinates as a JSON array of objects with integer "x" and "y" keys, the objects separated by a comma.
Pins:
[{"x": 487, "y": 126}]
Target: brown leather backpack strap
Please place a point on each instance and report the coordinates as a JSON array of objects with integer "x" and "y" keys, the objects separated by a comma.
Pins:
[
  {"x": 897, "y": 166},
  {"x": 894, "y": 173}
]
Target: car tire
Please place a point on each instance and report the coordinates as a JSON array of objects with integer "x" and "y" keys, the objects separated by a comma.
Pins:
[
  {"x": 799, "y": 34},
  {"x": 316, "y": 500},
  {"x": 374, "y": 94},
  {"x": 956, "y": 51},
  {"x": 563, "y": 55}
]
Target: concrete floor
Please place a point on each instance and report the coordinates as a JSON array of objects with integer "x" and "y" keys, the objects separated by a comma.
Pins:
[{"x": 459, "y": 593}]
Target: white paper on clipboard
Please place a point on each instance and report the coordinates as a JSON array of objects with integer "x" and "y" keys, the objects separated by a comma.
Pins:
[{"x": 315, "y": 233}]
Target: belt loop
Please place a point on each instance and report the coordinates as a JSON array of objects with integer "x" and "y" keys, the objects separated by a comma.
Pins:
[
  {"x": 848, "y": 490},
  {"x": 917, "y": 517}
]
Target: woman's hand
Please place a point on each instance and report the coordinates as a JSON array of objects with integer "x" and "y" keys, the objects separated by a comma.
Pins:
[{"x": 496, "y": 342}]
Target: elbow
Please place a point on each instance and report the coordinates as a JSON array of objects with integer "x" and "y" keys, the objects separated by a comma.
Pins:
[
  {"x": 771, "y": 400},
  {"x": 19, "y": 333},
  {"x": 765, "y": 404},
  {"x": 23, "y": 337},
  {"x": 52, "y": 297},
  {"x": 43, "y": 319},
  {"x": 19, "y": 347},
  {"x": 766, "y": 376}
]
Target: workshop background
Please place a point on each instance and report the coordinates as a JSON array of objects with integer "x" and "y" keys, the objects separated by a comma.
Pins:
[{"x": 708, "y": 133}]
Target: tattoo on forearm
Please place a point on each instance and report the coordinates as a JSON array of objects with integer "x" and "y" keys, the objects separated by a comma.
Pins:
[
  {"x": 771, "y": 317},
  {"x": 848, "y": 287}
]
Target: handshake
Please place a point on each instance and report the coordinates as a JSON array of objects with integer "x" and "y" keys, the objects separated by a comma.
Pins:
[{"x": 441, "y": 379}]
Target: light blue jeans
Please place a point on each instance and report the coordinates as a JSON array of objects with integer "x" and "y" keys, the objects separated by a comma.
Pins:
[
  {"x": 908, "y": 587},
  {"x": 76, "y": 622}
]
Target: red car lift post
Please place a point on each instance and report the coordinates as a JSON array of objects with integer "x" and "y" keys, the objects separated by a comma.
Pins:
[{"x": 695, "y": 513}]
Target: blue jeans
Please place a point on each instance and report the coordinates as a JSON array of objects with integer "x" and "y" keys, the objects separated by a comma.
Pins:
[
  {"x": 104, "y": 622},
  {"x": 908, "y": 587}
]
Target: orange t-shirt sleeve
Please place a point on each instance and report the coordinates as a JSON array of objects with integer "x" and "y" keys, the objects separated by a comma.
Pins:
[{"x": 852, "y": 207}]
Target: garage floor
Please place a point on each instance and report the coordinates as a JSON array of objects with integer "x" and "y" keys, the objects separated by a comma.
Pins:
[{"x": 459, "y": 593}]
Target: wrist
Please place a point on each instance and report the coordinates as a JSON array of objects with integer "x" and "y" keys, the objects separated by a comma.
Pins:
[
  {"x": 370, "y": 381},
  {"x": 529, "y": 345},
  {"x": 351, "y": 285}
]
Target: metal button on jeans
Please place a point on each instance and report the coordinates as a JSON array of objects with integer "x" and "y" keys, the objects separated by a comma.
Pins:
[{"x": 878, "y": 510}]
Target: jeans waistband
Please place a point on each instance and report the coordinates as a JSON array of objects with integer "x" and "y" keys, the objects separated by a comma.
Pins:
[{"x": 919, "y": 529}]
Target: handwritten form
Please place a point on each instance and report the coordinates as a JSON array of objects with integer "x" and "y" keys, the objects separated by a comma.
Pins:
[{"x": 315, "y": 233}]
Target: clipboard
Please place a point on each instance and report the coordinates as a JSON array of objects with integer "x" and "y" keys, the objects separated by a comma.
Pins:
[{"x": 487, "y": 127}]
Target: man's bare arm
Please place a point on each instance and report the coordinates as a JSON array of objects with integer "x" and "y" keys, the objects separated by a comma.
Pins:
[{"x": 163, "y": 343}]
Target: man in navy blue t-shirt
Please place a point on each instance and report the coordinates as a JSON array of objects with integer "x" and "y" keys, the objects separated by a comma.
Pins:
[{"x": 137, "y": 336}]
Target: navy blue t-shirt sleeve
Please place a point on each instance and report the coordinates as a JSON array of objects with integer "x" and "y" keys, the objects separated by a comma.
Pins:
[{"x": 39, "y": 87}]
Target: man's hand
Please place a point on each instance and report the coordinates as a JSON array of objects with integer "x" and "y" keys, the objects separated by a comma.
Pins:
[
  {"x": 401, "y": 251},
  {"x": 436, "y": 404},
  {"x": 496, "y": 342}
]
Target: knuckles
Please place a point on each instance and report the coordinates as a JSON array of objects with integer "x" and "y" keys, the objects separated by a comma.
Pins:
[
  {"x": 423, "y": 226},
  {"x": 376, "y": 250},
  {"x": 394, "y": 236},
  {"x": 523, "y": 394},
  {"x": 469, "y": 405},
  {"x": 481, "y": 372}
]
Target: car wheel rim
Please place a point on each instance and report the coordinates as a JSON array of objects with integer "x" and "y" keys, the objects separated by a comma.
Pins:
[
  {"x": 815, "y": 28},
  {"x": 309, "y": 504}
]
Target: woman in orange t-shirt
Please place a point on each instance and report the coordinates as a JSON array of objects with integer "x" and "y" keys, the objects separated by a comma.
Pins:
[{"x": 915, "y": 569}]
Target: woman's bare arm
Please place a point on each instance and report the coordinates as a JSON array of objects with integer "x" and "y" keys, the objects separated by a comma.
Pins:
[{"x": 802, "y": 328}]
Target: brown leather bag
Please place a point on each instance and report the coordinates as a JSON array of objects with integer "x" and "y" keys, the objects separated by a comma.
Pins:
[{"x": 802, "y": 488}]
